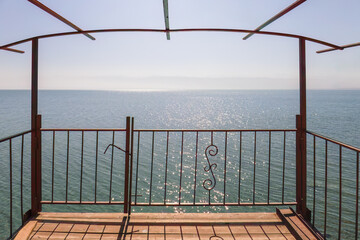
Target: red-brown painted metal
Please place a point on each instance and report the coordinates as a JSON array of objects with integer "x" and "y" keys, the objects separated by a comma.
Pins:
[
  {"x": 209, "y": 183},
  {"x": 35, "y": 134},
  {"x": 277, "y": 16},
  {"x": 341, "y": 147},
  {"x": 14, "y": 136},
  {"x": 357, "y": 196},
  {"x": 131, "y": 163},
  {"x": 13, "y": 50},
  {"x": 58, "y": 16},
  {"x": 127, "y": 194},
  {"x": 11, "y": 185},
  {"x": 215, "y": 130},
  {"x": 83, "y": 202},
  {"x": 301, "y": 137},
  {"x": 343, "y": 47},
  {"x": 178, "y": 30},
  {"x": 334, "y": 141}
]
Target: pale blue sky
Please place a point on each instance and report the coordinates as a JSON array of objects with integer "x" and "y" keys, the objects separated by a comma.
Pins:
[{"x": 189, "y": 60}]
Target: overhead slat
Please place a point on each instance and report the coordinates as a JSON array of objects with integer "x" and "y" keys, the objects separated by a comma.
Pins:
[
  {"x": 12, "y": 50},
  {"x": 56, "y": 15},
  {"x": 166, "y": 17},
  {"x": 345, "y": 46},
  {"x": 277, "y": 16}
]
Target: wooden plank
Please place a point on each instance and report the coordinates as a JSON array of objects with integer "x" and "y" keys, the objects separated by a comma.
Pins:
[
  {"x": 223, "y": 232},
  {"x": 164, "y": 226},
  {"x": 205, "y": 232},
  {"x": 239, "y": 232},
  {"x": 297, "y": 225},
  {"x": 26, "y": 230},
  {"x": 161, "y": 218}
]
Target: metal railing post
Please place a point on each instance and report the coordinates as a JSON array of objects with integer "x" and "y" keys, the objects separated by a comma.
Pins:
[
  {"x": 35, "y": 134},
  {"x": 127, "y": 166},
  {"x": 36, "y": 167},
  {"x": 301, "y": 137}
]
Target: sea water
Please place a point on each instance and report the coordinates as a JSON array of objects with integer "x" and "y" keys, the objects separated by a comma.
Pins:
[{"x": 331, "y": 113}]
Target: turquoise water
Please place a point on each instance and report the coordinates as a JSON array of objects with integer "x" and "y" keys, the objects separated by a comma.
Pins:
[{"x": 330, "y": 113}]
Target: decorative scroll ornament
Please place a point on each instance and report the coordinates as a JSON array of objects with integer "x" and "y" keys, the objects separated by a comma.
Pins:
[{"x": 212, "y": 151}]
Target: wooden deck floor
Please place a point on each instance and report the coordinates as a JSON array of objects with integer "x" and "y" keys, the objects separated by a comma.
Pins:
[{"x": 209, "y": 226}]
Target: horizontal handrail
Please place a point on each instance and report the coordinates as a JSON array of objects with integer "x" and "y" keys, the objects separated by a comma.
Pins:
[
  {"x": 335, "y": 141},
  {"x": 82, "y": 129},
  {"x": 165, "y": 130},
  {"x": 15, "y": 161},
  {"x": 14, "y": 136},
  {"x": 214, "y": 130},
  {"x": 83, "y": 202},
  {"x": 218, "y": 204},
  {"x": 328, "y": 172}
]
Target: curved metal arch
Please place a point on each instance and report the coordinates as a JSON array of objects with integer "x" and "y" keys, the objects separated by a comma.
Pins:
[{"x": 177, "y": 30}]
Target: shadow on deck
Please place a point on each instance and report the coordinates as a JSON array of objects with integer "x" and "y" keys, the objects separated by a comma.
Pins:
[{"x": 283, "y": 224}]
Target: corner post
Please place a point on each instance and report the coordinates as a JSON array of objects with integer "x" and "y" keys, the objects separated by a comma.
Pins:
[
  {"x": 35, "y": 134},
  {"x": 127, "y": 166},
  {"x": 301, "y": 137}
]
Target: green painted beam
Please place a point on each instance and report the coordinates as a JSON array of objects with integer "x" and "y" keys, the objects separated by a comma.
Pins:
[{"x": 166, "y": 17}]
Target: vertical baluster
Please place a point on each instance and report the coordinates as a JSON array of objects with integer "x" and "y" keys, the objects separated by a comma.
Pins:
[
  {"x": 67, "y": 166},
  {"x": 283, "y": 174},
  {"x": 137, "y": 167},
  {"x": 269, "y": 169},
  {"x": 181, "y": 163},
  {"x": 96, "y": 163},
  {"x": 21, "y": 180},
  {"x": 152, "y": 165},
  {"x": 254, "y": 178},
  {"x": 11, "y": 192},
  {"x": 226, "y": 136},
  {"x": 166, "y": 164},
  {"x": 326, "y": 185},
  {"x": 196, "y": 158},
  {"x": 357, "y": 197},
  {"x": 314, "y": 193},
  {"x": 340, "y": 189},
  {"x": 212, "y": 142},
  {"x": 240, "y": 159},
  {"x": 82, "y": 163},
  {"x": 53, "y": 168},
  {"x": 111, "y": 167}
]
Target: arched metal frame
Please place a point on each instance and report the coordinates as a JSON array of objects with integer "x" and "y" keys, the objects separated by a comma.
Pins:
[
  {"x": 300, "y": 119},
  {"x": 280, "y": 34}
]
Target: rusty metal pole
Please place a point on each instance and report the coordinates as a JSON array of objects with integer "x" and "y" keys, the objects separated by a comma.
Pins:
[
  {"x": 35, "y": 134},
  {"x": 301, "y": 137},
  {"x": 127, "y": 166}
]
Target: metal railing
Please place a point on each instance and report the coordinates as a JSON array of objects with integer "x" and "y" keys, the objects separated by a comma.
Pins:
[
  {"x": 213, "y": 167},
  {"x": 15, "y": 158},
  {"x": 169, "y": 167},
  {"x": 179, "y": 168},
  {"x": 75, "y": 161},
  {"x": 333, "y": 186}
]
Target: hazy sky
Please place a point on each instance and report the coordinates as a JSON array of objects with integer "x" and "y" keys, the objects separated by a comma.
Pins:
[{"x": 188, "y": 60}]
